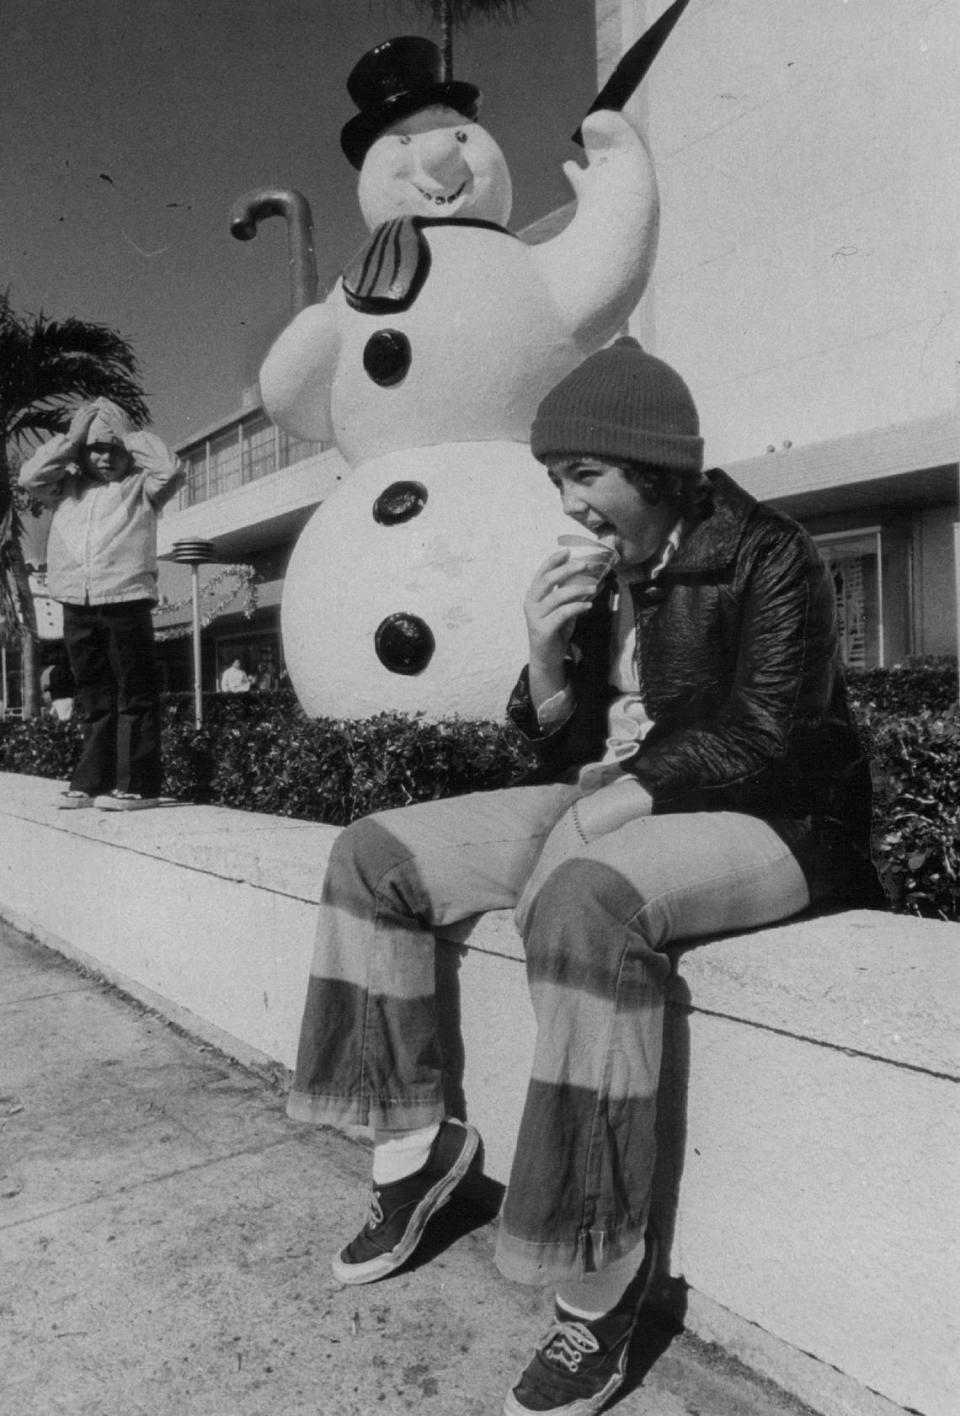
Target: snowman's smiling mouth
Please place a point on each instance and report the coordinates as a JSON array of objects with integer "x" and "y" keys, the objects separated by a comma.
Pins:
[{"x": 438, "y": 198}]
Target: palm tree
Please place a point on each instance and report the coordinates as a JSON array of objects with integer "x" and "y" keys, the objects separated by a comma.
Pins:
[
  {"x": 447, "y": 14},
  {"x": 45, "y": 367}
]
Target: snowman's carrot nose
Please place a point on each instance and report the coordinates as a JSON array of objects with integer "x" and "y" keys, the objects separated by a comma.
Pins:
[
  {"x": 440, "y": 156},
  {"x": 245, "y": 217}
]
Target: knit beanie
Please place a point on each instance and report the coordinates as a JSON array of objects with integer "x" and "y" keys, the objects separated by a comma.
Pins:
[
  {"x": 621, "y": 403},
  {"x": 110, "y": 423}
]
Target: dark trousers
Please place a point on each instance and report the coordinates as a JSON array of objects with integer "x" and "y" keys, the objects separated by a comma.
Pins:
[{"x": 111, "y": 653}]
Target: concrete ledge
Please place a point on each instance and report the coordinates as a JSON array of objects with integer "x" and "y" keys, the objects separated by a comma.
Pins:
[{"x": 807, "y": 1182}]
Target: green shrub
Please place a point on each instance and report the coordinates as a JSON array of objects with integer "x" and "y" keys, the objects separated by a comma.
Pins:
[
  {"x": 909, "y": 716},
  {"x": 927, "y": 685},
  {"x": 916, "y": 838},
  {"x": 43, "y": 747},
  {"x": 259, "y": 752}
]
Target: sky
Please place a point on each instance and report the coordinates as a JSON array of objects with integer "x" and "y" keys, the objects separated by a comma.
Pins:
[{"x": 130, "y": 127}]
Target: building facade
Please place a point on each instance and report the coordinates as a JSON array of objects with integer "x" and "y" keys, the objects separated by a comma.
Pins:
[
  {"x": 807, "y": 279},
  {"x": 250, "y": 489}
]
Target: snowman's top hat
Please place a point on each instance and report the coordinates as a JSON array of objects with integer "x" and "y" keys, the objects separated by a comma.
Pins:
[{"x": 397, "y": 78}]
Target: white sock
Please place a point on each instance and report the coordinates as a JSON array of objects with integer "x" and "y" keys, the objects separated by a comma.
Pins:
[
  {"x": 593, "y": 1294},
  {"x": 573, "y": 1312},
  {"x": 400, "y": 1153}
]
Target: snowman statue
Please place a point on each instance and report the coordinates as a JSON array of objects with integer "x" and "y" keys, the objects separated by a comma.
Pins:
[{"x": 425, "y": 365}]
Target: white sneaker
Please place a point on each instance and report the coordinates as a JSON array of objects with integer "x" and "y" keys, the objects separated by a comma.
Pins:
[
  {"x": 125, "y": 801},
  {"x": 74, "y": 801}
]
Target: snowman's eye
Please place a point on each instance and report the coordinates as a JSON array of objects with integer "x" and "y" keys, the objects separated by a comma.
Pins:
[
  {"x": 461, "y": 136},
  {"x": 405, "y": 139}
]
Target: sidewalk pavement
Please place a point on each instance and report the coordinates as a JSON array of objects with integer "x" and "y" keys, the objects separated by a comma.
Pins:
[{"x": 166, "y": 1235}]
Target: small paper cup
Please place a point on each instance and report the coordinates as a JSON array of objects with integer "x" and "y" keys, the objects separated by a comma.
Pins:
[{"x": 591, "y": 557}]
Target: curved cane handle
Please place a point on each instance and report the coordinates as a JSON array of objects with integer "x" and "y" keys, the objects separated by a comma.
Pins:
[{"x": 252, "y": 208}]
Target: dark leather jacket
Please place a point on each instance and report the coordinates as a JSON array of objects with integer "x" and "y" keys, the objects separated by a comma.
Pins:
[{"x": 739, "y": 671}]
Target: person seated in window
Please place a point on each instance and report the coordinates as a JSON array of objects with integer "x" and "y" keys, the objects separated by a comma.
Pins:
[
  {"x": 235, "y": 678},
  {"x": 264, "y": 679}
]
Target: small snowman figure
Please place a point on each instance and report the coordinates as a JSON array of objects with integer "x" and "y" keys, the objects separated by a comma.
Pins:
[{"x": 425, "y": 364}]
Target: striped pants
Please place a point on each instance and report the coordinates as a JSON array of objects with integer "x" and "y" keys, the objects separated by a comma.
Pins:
[{"x": 594, "y": 928}]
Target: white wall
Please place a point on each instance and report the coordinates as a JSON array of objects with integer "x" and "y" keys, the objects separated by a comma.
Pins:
[{"x": 807, "y": 152}]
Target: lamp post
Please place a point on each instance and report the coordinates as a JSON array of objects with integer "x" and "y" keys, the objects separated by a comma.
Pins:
[{"x": 195, "y": 554}]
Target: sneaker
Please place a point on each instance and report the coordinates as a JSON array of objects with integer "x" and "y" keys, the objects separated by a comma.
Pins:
[
  {"x": 400, "y": 1211},
  {"x": 579, "y": 1364},
  {"x": 125, "y": 801},
  {"x": 74, "y": 801}
]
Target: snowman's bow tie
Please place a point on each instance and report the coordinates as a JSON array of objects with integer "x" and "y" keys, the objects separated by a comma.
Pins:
[{"x": 387, "y": 273}]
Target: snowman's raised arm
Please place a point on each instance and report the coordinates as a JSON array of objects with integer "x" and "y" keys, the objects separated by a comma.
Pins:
[
  {"x": 598, "y": 267},
  {"x": 297, "y": 374}
]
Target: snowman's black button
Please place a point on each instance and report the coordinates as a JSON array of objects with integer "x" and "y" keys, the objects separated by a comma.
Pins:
[
  {"x": 386, "y": 357},
  {"x": 401, "y": 501},
  {"x": 404, "y": 643}
]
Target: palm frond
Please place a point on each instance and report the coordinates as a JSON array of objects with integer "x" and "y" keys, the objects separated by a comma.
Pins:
[
  {"x": 37, "y": 424},
  {"x": 47, "y": 365}
]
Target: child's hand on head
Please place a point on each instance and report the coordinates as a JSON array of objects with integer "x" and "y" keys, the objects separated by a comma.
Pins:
[{"x": 80, "y": 424}]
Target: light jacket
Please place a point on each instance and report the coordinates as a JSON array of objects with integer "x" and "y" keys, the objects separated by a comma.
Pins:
[
  {"x": 102, "y": 547},
  {"x": 739, "y": 671}
]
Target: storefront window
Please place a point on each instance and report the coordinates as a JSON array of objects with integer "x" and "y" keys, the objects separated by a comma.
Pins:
[
  {"x": 258, "y": 657},
  {"x": 853, "y": 559},
  {"x": 224, "y": 463},
  {"x": 241, "y": 452},
  {"x": 259, "y": 448},
  {"x": 294, "y": 449},
  {"x": 11, "y": 683},
  {"x": 195, "y": 466}
]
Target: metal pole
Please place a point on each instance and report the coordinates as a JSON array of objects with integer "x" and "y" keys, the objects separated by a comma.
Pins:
[
  {"x": 197, "y": 667},
  {"x": 3, "y": 678},
  {"x": 195, "y": 554},
  {"x": 247, "y": 213}
]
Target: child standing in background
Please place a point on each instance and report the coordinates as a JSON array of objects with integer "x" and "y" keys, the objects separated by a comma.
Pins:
[{"x": 106, "y": 482}]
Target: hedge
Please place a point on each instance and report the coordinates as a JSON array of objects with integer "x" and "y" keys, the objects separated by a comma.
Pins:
[
  {"x": 910, "y": 719},
  {"x": 922, "y": 685},
  {"x": 259, "y": 752}
]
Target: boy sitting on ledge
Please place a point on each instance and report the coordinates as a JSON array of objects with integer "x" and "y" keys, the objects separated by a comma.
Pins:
[{"x": 698, "y": 773}]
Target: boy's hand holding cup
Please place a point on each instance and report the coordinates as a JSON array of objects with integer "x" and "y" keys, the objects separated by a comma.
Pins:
[
  {"x": 562, "y": 590},
  {"x": 589, "y": 560}
]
